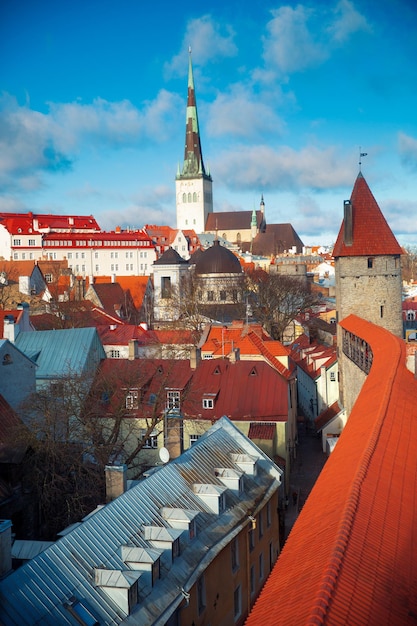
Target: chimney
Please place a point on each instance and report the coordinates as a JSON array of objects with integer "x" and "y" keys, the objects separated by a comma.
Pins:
[
  {"x": 10, "y": 331},
  {"x": 234, "y": 355},
  {"x": 116, "y": 481},
  {"x": 133, "y": 349},
  {"x": 5, "y": 547},
  {"x": 195, "y": 356},
  {"x": 348, "y": 223}
]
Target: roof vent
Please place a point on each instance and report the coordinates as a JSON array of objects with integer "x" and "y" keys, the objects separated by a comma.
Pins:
[{"x": 120, "y": 586}]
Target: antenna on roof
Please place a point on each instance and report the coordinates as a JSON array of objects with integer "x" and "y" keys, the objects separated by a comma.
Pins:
[{"x": 361, "y": 154}]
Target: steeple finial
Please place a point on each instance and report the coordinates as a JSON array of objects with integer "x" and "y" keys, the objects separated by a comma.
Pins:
[{"x": 361, "y": 154}]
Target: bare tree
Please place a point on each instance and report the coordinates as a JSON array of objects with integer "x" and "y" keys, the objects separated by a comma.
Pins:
[
  {"x": 73, "y": 437},
  {"x": 277, "y": 299},
  {"x": 409, "y": 263}
]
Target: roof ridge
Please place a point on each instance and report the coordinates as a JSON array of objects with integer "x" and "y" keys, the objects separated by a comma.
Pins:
[{"x": 332, "y": 569}]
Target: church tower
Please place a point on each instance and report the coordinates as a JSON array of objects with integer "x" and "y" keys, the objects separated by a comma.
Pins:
[
  {"x": 193, "y": 184},
  {"x": 367, "y": 271}
]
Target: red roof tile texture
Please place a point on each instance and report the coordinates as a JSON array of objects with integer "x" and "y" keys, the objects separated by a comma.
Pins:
[
  {"x": 371, "y": 233},
  {"x": 351, "y": 555}
]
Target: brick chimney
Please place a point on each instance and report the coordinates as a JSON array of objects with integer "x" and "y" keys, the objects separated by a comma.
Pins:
[
  {"x": 348, "y": 223},
  {"x": 116, "y": 481}
]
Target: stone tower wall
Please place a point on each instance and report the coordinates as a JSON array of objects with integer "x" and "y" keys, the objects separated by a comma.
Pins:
[{"x": 374, "y": 294}]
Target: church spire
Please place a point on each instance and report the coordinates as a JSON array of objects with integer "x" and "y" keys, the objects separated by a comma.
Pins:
[{"x": 193, "y": 157}]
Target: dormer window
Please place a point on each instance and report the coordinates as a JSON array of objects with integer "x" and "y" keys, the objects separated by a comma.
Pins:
[
  {"x": 7, "y": 359},
  {"x": 173, "y": 400},
  {"x": 132, "y": 399},
  {"x": 208, "y": 403}
]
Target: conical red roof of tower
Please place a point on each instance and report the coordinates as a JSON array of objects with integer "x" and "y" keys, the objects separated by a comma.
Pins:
[{"x": 371, "y": 233}]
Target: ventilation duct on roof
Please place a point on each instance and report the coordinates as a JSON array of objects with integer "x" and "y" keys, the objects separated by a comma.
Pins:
[
  {"x": 120, "y": 586},
  {"x": 213, "y": 496},
  {"x": 247, "y": 463}
]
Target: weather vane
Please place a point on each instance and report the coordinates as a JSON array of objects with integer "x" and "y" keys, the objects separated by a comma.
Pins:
[{"x": 361, "y": 154}]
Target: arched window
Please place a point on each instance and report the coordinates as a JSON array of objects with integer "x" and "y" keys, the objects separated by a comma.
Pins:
[
  {"x": 194, "y": 197},
  {"x": 189, "y": 197},
  {"x": 184, "y": 197},
  {"x": 238, "y": 238},
  {"x": 224, "y": 236}
]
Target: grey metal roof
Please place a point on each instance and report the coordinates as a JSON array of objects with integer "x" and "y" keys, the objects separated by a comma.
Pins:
[
  {"x": 37, "y": 592},
  {"x": 59, "y": 352}
]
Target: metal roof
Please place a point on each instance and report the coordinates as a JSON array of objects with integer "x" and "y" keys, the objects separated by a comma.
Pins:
[
  {"x": 39, "y": 590},
  {"x": 60, "y": 352}
]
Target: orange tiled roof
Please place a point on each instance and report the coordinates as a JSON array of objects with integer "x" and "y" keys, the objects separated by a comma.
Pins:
[
  {"x": 350, "y": 557},
  {"x": 261, "y": 431},
  {"x": 371, "y": 233},
  {"x": 326, "y": 416}
]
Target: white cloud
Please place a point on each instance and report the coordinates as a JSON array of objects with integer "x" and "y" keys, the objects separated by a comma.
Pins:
[
  {"x": 208, "y": 40},
  {"x": 289, "y": 45},
  {"x": 32, "y": 142},
  {"x": 241, "y": 113},
  {"x": 302, "y": 37},
  {"x": 285, "y": 169},
  {"x": 407, "y": 147},
  {"x": 347, "y": 21}
]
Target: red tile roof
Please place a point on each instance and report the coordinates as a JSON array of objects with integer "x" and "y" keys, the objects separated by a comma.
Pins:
[
  {"x": 351, "y": 555},
  {"x": 262, "y": 431},
  {"x": 251, "y": 341},
  {"x": 135, "y": 284},
  {"x": 371, "y": 233},
  {"x": 245, "y": 390},
  {"x": 326, "y": 416},
  {"x": 35, "y": 222}
]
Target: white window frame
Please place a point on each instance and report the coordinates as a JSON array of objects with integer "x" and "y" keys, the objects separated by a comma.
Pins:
[
  {"x": 173, "y": 400},
  {"x": 132, "y": 399},
  {"x": 208, "y": 403}
]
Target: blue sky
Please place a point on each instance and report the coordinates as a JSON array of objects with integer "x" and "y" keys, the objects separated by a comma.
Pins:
[{"x": 93, "y": 93}]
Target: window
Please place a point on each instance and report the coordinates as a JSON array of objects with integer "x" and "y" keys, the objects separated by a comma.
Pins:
[
  {"x": 97, "y": 268},
  {"x": 222, "y": 295},
  {"x": 370, "y": 263},
  {"x": 201, "y": 595},
  {"x": 261, "y": 566},
  {"x": 382, "y": 310},
  {"x": 32, "y": 242},
  {"x": 48, "y": 278},
  {"x": 208, "y": 403},
  {"x": 7, "y": 359},
  {"x": 193, "y": 439},
  {"x": 268, "y": 514},
  {"x": 210, "y": 296},
  {"x": 115, "y": 354},
  {"x": 237, "y": 602},
  {"x": 165, "y": 287},
  {"x": 69, "y": 255},
  {"x": 194, "y": 197},
  {"x": 16, "y": 242},
  {"x": 333, "y": 376},
  {"x": 234, "y": 548},
  {"x": 184, "y": 197},
  {"x": 251, "y": 539},
  {"x": 132, "y": 399},
  {"x": 173, "y": 400},
  {"x": 260, "y": 525},
  {"x": 150, "y": 442},
  {"x": 252, "y": 580}
]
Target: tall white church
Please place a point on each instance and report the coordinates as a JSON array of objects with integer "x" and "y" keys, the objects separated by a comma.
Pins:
[{"x": 193, "y": 184}]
